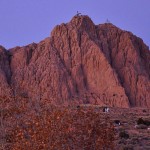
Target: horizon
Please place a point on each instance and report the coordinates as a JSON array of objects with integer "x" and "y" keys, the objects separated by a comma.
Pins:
[{"x": 27, "y": 22}]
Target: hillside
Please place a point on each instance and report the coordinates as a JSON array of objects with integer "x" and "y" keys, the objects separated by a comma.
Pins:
[{"x": 79, "y": 63}]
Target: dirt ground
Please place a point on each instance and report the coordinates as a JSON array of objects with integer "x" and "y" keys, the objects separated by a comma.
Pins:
[{"x": 129, "y": 134}]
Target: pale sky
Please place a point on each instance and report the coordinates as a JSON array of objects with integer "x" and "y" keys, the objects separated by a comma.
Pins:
[{"x": 25, "y": 21}]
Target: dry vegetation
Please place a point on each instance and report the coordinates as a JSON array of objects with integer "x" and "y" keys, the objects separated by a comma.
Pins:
[
  {"x": 26, "y": 124},
  {"x": 54, "y": 128}
]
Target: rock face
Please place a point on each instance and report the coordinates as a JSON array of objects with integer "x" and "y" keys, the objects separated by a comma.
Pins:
[{"x": 80, "y": 63}]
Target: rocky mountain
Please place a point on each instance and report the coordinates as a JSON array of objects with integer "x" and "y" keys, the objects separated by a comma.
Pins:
[{"x": 79, "y": 63}]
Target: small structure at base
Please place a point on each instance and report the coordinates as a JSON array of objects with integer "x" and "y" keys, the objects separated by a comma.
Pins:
[
  {"x": 117, "y": 122},
  {"x": 105, "y": 109}
]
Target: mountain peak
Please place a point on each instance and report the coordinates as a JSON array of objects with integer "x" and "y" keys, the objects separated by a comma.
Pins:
[
  {"x": 80, "y": 63},
  {"x": 79, "y": 23},
  {"x": 81, "y": 19},
  {"x": 83, "y": 22}
]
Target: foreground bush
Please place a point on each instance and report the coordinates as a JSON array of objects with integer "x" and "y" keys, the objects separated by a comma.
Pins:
[
  {"x": 144, "y": 122},
  {"x": 64, "y": 129},
  {"x": 124, "y": 134}
]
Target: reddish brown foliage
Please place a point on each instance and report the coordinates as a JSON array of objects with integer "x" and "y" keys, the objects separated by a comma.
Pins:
[
  {"x": 65, "y": 129},
  {"x": 56, "y": 128}
]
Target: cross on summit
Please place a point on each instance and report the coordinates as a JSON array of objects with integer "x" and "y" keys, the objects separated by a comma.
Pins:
[{"x": 78, "y": 14}]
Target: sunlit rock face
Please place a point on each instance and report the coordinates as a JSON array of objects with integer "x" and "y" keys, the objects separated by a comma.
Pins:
[{"x": 80, "y": 63}]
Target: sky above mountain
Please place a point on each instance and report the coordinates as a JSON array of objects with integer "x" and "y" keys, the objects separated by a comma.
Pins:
[{"x": 26, "y": 21}]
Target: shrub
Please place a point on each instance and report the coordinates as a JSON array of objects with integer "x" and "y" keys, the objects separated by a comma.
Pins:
[
  {"x": 124, "y": 134},
  {"x": 144, "y": 122},
  {"x": 141, "y": 126},
  {"x": 128, "y": 147},
  {"x": 65, "y": 129}
]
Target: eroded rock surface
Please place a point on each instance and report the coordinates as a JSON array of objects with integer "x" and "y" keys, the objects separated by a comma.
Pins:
[{"x": 80, "y": 63}]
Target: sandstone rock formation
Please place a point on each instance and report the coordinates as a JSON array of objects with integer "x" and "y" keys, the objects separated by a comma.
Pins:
[{"x": 80, "y": 63}]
